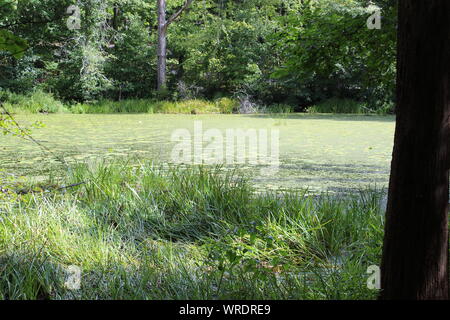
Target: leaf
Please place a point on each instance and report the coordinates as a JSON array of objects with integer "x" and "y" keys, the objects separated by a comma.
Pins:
[{"x": 13, "y": 44}]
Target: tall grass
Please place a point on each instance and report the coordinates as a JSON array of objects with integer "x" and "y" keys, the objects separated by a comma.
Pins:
[
  {"x": 336, "y": 105},
  {"x": 35, "y": 102},
  {"x": 145, "y": 106},
  {"x": 146, "y": 231},
  {"x": 223, "y": 105},
  {"x": 43, "y": 102}
]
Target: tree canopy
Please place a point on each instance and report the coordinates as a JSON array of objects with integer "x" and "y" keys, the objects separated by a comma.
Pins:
[{"x": 294, "y": 52}]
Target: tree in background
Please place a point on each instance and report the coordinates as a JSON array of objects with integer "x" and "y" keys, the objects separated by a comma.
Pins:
[
  {"x": 329, "y": 52},
  {"x": 163, "y": 24},
  {"x": 415, "y": 253},
  {"x": 274, "y": 51}
]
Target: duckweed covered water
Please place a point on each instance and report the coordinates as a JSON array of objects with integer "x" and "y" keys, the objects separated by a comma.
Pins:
[{"x": 319, "y": 152}]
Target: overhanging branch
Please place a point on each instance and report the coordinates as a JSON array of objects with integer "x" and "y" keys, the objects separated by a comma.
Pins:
[{"x": 177, "y": 14}]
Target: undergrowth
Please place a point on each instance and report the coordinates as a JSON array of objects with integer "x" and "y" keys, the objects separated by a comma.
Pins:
[{"x": 146, "y": 231}]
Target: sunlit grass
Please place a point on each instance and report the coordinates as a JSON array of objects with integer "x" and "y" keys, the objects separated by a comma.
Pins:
[
  {"x": 146, "y": 231},
  {"x": 198, "y": 106}
]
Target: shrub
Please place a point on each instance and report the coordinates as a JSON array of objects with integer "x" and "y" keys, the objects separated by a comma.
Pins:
[
  {"x": 223, "y": 105},
  {"x": 280, "y": 108},
  {"x": 194, "y": 106},
  {"x": 79, "y": 108},
  {"x": 336, "y": 105},
  {"x": 38, "y": 101},
  {"x": 227, "y": 105}
]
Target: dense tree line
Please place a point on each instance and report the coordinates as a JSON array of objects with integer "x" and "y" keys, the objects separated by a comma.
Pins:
[{"x": 275, "y": 51}]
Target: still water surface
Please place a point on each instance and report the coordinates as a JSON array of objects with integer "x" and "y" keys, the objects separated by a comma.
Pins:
[{"x": 319, "y": 152}]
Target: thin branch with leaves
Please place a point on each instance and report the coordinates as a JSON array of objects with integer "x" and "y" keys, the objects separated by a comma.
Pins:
[{"x": 25, "y": 134}]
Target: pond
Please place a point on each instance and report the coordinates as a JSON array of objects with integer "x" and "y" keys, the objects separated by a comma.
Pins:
[{"x": 318, "y": 152}]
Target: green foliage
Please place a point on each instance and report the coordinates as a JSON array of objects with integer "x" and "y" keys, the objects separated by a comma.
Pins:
[
  {"x": 336, "y": 105},
  {"x": 223, "y": 105},
  {"x": 279, "y": 108},
  {"x": 277, "y": 52},
  {"x": 42, "y": 102},
  {"x": 227, "y": 105},
  {"x": 8, "y": 124},
  {"x": 106, "y": 106},
  {"x": 35, "y": 102},
  {"x": 132, "y": 64},
  {"x": 141, "y": 231},
  {"x": 146, "y": 231},
  {"x": 9, "y": 42},
  {"x": 39, "y": 101},
  {"x": 329, "y": 52}
]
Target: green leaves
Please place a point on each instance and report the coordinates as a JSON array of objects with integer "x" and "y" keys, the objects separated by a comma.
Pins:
[
  {"x": 13, "y": 44},
  {"x": 327, "y": 46}
]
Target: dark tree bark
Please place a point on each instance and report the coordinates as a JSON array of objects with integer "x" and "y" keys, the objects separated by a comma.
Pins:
[
  {"x": 115, "y": 22},
  {"x": 415, "y": 253},
  {"x": 162, "y": 39}
]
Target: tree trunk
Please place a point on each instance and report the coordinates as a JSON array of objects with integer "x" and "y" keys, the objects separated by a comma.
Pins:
[
  {"x": 115, "y": 24},
  {"x": 162, "y": 45},
  {"x": 415, "y": 253},
  {"x": 163, "y": 24}
]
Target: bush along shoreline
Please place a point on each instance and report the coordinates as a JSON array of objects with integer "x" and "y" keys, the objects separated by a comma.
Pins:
[{"x": 43, "y": 102}]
